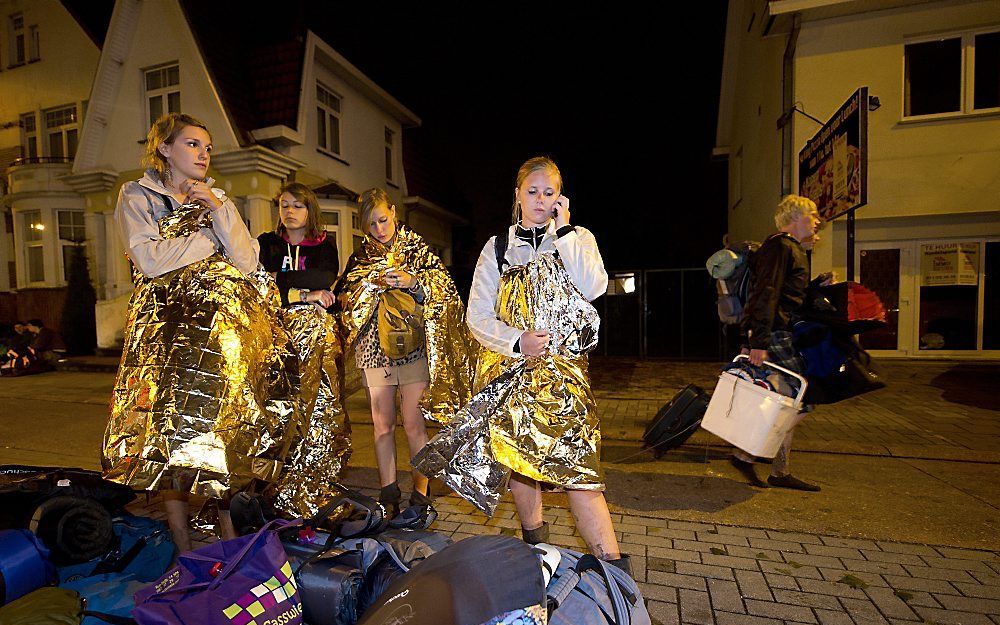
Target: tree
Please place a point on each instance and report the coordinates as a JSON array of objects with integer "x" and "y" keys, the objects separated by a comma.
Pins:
[{"x": 79, "y": 325}]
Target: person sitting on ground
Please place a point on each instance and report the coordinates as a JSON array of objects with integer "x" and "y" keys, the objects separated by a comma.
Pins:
[
  {"x": 779, "y": 281},
  {"x": 43, "y": 357}
]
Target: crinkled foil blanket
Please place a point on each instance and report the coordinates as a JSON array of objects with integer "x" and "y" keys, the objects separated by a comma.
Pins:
[
  {"x": 215, "y": 390},
  {"x": 449, "y": 347},
  {"x": 535, "y": 416}
]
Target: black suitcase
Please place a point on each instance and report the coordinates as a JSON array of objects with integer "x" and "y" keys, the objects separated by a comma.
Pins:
[{"x": 676, "y": 421}]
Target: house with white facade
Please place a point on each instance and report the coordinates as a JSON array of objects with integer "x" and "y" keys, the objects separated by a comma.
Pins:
[
  {"x": 281, "y": 104},
  {"x": 928, "y": 239},
  {"x": 48, "y": 57}
]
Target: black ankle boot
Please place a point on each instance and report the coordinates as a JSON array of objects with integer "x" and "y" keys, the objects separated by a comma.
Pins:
[
  {"x": 624, "y": 563},
  {"x": 389, "y": 498},
  {"x": 537, "y": 535},
  {"x": 419, "y": 499}
]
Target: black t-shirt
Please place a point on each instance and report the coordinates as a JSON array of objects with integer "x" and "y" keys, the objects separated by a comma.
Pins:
[{"x": 317, "y": 262}]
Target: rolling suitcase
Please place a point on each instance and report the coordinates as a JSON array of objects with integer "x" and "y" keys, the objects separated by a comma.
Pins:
[{"x": 676, "y": 421}]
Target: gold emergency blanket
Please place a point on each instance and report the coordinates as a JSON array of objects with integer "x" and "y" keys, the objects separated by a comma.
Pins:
[
  {"x": 205, "y": 398},
  {"x": 449, "y": 348},
  {"x": 322, "y": 445},
  {"x": 535, "y": 416}
]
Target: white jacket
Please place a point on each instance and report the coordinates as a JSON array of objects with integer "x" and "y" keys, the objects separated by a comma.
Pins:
[
  {"x": 579, "y": 254},
  {"x": 140, "y": 207}
]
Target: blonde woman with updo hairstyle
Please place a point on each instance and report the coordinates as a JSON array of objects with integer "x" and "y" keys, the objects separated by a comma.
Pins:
[
  {"x": 192, "y": 408},
  {"x": 395, "y": 268},
  {"x": 529, "y": 284}
]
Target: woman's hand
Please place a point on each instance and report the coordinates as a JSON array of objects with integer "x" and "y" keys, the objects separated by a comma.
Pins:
[
  {"x": 320, "y": 296},
  {"x": 399, "y": 279},
  {"x": 560, "y": 210},
  {"x": 534, "y": 342},
  {"x": 199, "y": 191}
]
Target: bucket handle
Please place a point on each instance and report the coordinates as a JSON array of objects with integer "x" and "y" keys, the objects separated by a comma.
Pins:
[{"x": 803, "y": 383}]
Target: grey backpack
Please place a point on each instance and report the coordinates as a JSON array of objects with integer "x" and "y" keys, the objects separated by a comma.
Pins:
[
  {"x": 586, "y": 591},
  {"x": 730, "y": 267}
]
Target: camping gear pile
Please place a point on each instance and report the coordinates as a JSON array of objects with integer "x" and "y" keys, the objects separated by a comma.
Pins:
[{"x": 69, "y": 553}]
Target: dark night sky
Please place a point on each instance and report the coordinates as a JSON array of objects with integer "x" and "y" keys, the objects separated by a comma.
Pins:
[{"x": 624, "y": 100}]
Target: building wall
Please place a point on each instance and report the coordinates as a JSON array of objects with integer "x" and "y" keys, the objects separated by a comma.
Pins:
[
  {"x": 62, "y": 75},
  {"x": 361, "y": 164},
  {"x": 929, "y": 180},
  {"x": 755, "y": 146}
]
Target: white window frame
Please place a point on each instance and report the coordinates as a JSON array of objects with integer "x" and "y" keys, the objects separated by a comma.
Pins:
[
  {"x": 327, "y": 113},
  {"x": 17, "y": 48},
  {"x": 64, "y": 129},
  {"x": 390, "y": 155},
  {"x": 34, "y": 49},
  {"x": 30, "y": 135},
  {"x": 162, "y": 93},
  {"x": 967, "y": 40}
]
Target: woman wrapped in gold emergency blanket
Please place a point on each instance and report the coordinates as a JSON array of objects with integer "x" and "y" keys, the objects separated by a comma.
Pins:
[
  {"x": 449, "y": 350},
  {"x": 535, "y": 416}
]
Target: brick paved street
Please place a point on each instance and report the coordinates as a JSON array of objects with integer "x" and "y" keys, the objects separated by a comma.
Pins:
[{"x": 904, "y": 531}]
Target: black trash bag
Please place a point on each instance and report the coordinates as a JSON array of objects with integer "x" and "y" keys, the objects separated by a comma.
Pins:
[{"x": 471, "y": 581}]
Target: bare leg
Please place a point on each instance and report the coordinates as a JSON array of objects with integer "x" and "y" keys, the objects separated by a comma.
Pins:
[
  {"x": 176, "y": 504},
  {"x": 593, "y": 521},
  {"x": 416, "y": 430},
  {"x": 226, "y": 528},
  {"x": 383, "y": 403},
  {"x": 528, "y": 501}
]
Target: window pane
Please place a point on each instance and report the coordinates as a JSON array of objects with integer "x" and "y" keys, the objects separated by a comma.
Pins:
[
  {"x": 36, "y": 264},
  {"x": 355, "y": 221},
  {"x": 987, "y": 83},
  {"x": 934, "y": 77},
  {"x": 173, "y": 75},
  {"x": 174, "y": 102},
  {"x": 388, "y": 163},
  {"x": 32, "y": 219},
  {"x": 154, "y": 79},
  {"x": 321, "y": 127},
  {"x": 334, "y": 134},
  {"x": 388, "y": 136},
  {"x": 331, "y": 218},
  {"x": 155, "y": 109},
  {"x": 32, "y": 147},
  {"x": 19, "y": 49},
  {"x": 71, "y": 141},
  {"x": 29, "y": 122},
  {"x": 56, "y": 145}
]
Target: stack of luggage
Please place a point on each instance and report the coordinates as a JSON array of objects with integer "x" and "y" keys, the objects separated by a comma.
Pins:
[{"x": 70, "y": 553}]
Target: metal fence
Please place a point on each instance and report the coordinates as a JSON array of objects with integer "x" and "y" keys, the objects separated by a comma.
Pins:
[{"x": 661, "y": 313}]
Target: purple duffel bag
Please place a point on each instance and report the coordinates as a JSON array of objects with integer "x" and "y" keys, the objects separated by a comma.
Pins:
[{"x": 231, "y": 582}]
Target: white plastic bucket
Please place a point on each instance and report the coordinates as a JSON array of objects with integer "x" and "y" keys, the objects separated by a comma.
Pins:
[{"x": 752, "y": 417}]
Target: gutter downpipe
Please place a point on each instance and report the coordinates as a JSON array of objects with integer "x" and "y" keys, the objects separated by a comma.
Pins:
[{"x": 787, "y": 102}]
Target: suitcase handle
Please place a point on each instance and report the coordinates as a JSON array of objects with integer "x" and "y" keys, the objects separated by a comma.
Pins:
[{"x": 803, "y": 383}]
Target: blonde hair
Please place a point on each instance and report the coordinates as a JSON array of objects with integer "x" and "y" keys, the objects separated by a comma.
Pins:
[
  {"x": 526, "y": 169},
  {"x": 369, "y": 200},
  {"x": 791, "y": 207},
  {"x": 305, "y": 195},
  {"x": 165, "y": 130}
]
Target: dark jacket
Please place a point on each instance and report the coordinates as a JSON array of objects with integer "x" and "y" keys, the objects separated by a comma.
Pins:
[
  {"x": 780, "y": 279},
  {"x": 318, "y": 263}
]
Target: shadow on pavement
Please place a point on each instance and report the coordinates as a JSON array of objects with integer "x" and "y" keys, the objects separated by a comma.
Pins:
[
  {"x": 970, "y": 385},
  {"x": 645, "y": 492}
]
